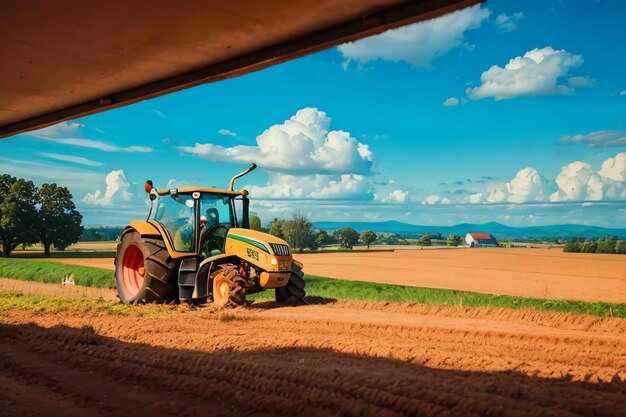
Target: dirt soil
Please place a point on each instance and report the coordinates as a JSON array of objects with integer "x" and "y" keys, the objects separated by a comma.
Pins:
[
  {"x": 346, "y": 358},
  {"x": 539, "y": 273}
]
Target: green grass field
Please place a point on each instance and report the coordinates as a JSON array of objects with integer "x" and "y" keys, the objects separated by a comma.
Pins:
[
  {"x": 53, "y": 273},
  {"x": 328, "y": 288}
]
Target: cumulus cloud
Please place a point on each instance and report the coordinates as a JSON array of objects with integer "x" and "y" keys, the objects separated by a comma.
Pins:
[
  {"x": 417, "y": 44},
  {"x": 508, "y": 23},
  {"x": 476, "y": 198},
  {"x": 226, "y": 132},
  {"x": 599, "y": 139},
  {"x": 334, "y": 187},
  {"x": 538, "y": 72},
  {"x": 117, "y": 186},
  {"x": 527, "y": 185},
  {"x": 578, "y": 181},
  {"x": 396, "y": 196},
  {"x": 435, "y": 199},
  {"x": 303, "y": 144},
  {"x": 67, "y": 133}
]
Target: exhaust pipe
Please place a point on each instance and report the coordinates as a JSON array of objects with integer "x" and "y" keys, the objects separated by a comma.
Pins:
[{"x": 232, "y": 182}]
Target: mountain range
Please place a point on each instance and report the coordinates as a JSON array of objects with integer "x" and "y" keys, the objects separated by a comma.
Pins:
[{"x": 500, "y": 231}]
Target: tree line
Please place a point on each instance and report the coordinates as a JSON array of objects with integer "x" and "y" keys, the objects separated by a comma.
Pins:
[
  {"x": 608, "y": 244},
  {"x": 300, "y": 235},
  {"x": 30, "y": 215}
]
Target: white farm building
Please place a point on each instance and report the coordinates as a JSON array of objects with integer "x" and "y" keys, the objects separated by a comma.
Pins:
[{"x": 475, "y": 239}]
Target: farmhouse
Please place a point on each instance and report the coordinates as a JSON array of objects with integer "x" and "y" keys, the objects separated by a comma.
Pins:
[{"x": 476, "y": 239}]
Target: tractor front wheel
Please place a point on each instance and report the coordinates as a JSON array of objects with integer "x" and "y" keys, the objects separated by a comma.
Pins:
[
  {"x": 293, "y": 292},
  {"x": 229, "y": 287},
  {"x": 144, "y": 271}
]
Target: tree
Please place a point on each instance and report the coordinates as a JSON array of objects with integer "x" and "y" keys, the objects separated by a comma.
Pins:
[
  {"x": 323, "y": 238},
  {"x": 589, "y": 247},
  {"x": 18, "y": 213},
  {"x": 453, "y": 240},
  {"x": 573, "y": 247},
  {"x": 59, "y": 221},
  {"x": 621, "y": 247},
  {"x": 425, "y": 240},
  {"x": 368, "y": 237},
  {"x": 255, "y": 222},
  {"x": 298, "y": 232},
  {"x": 276, "y": 228},
  {"x": 347, "y": 237},
  {"x": 606, "y": 246}
]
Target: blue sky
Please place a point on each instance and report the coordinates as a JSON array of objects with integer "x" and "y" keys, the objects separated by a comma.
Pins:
[{"x": 509, "y": 111}]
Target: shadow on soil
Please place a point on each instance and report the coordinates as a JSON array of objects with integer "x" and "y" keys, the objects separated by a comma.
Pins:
[
  {"x": 86, "y": 371},
  {"x": 308, "y": 300}
]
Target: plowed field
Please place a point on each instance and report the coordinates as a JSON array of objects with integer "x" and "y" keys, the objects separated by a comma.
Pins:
[
  {"x": 346, "y": 358},
  {"x": 538, "y": 273}
]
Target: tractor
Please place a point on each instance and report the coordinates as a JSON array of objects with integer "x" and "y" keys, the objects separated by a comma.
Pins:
[{"x": 196, "y": 246}]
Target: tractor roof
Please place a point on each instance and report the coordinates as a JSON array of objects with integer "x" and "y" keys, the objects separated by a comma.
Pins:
[{"x": 205, "y": 190}]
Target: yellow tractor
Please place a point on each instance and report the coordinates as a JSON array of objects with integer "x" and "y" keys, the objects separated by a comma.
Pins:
[{"x": 196, "y": 246}]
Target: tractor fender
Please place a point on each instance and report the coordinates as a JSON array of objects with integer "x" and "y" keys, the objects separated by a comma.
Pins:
[
  {"x": 203, "y": 287},
  {"x": 142, "y": 227},
  {"x": 153, "y": 229}
]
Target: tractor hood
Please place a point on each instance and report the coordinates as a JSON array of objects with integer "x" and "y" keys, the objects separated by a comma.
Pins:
[{"x": 263, "y": 241}]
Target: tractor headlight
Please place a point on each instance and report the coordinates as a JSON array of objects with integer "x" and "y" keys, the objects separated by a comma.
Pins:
[{"x": 274, "y": 261}]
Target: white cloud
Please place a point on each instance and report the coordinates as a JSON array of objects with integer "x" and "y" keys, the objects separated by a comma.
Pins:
[
  {"x": 599, "y": 139},
  {"x": 578, "y": 181},
  {"x": 622, "y": 93},
  {"x": 508, "y": 23},
  {"x": 226, "y": 132},
  {"x": 68, "y": 176},
  {"x": 432, "y": 199},
  {"x": 303, "y": 144},
  {"x": 581, "y": 81},
  {"x": 335, "y": 187},
  {"x": 538, "y": 72},
  {"x": 417, "y": 44},
  {"x": 476, "y": 198},
  {"x": 451, "y": 101},
  {"x": 614, "y": 168},
  {"x": 396, "y": 196},
  {"x": 117, "y": 186},
  {"x": 528, "y": 185},
  {"x": 70, "y": 158},
  {"x": 160, "y": 114},
  {"x": 66, "y": 133}
]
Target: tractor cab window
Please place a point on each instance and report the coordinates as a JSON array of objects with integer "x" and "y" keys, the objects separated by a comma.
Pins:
[
  {"x": 177, "y": 214},
  {"x": 216, "y": 217}
]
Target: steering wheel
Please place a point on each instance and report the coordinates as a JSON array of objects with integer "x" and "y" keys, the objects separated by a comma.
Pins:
[{"x": 214, "y": 238}]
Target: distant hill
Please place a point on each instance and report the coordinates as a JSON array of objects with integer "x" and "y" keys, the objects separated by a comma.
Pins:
[{"x": 500, "y": 231}]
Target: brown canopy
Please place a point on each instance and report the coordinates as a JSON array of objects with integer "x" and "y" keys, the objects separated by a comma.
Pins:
[{"x": 69, "y": 58}]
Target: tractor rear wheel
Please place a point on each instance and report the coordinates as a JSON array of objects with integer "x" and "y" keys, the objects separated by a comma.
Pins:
[
  {"x": 229, "y": 287},
  {"x": 144, "y": 271},
  {"x": 293, "y": 292}
]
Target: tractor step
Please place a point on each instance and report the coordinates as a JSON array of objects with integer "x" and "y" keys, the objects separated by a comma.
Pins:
[{"x": 187, "y": 278}]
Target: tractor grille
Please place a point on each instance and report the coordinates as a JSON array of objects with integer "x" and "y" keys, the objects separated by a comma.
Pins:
[{"x": 280, "y": 250}]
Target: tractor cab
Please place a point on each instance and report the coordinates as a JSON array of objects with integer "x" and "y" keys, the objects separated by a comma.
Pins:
[{"x": 197, "y": 219}]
